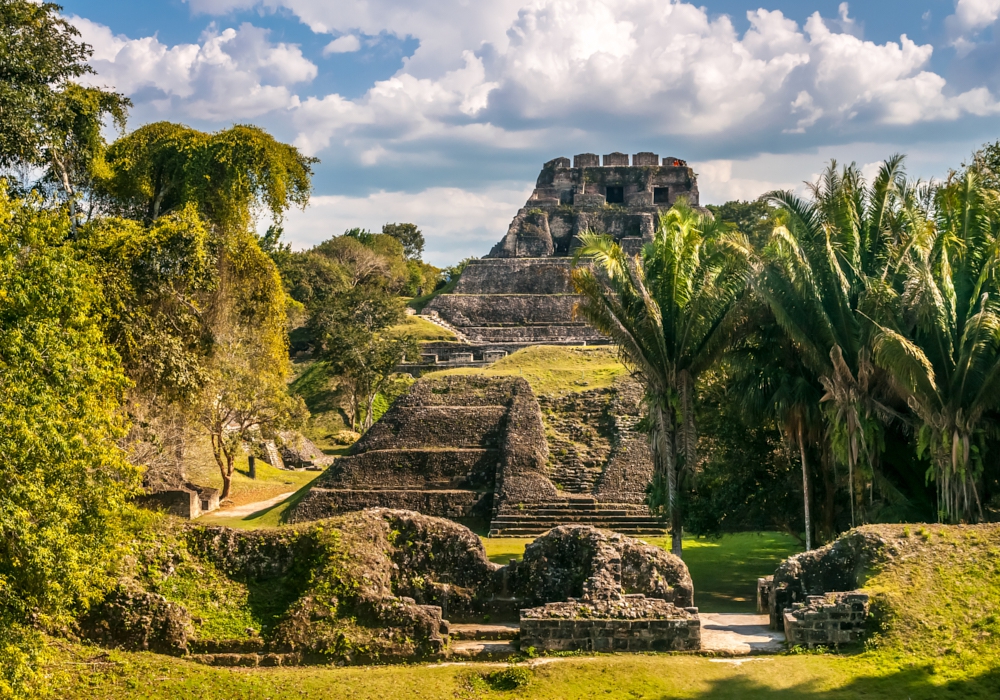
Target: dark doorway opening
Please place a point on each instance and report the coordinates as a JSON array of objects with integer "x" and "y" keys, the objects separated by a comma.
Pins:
[
  {"x": 661, "y": 195},
  {"x": 615, "y": 195}
]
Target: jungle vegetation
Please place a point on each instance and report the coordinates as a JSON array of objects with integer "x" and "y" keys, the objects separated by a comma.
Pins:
[{"x": 811, "y": 363}]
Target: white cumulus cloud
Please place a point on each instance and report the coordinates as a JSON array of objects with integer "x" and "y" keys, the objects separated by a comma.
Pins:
[
  {"x": 232, "y": 74},
  {"x": 971, "y": 17},
  {"x": 457, "y": 223},
  {"x": 344, "y": 44}
]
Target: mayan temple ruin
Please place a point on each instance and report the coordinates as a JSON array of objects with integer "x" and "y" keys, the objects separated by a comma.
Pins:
[
  {"x": 488, "y": 450},
  {"x": 521, "y": 294}
]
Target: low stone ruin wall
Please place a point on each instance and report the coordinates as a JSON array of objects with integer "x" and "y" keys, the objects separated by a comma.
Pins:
[
  {"x": 828, "y": 620},
  {"x": 838, "y": 567},
  {"x": 547, "y": 334},
  {"x": 633, "y": 623}
]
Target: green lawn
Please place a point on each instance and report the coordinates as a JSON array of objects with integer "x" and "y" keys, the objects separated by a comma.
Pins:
[
  {"x": 272, "y": 516},
  {"x": 91, "y": 673},
  {"x": 724, "y": 570},
  {"x": 423, "y": 330},
  {"x": 554, "y": 369}
]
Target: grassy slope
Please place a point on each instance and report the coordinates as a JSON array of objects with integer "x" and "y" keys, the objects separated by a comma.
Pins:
[
  {"x": 940, "y": 599},
  {"x": 418, "y": 303},
  {"x": 319, "y": 391},
  {"x": 423, "y": 330},
  {"x": 552, "y": 369},
  {"x": 724, "y": 570},
  {"x": 270, "y": 482}
]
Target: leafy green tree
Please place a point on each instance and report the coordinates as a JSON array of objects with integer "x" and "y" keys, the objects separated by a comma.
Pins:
[
  {"x": 755, "y": 220},
  {"x": 358, "y": 346},
  {"x": 46, "y": 120},
  {"x": 159, "y": 281},
  {"x": 65, "y": 486},
  {"x": 943, "y": 350},
  {"x": 670, "y": 311},
  {"x": 746, "y": 481},
  {"x": 232, "y": 175},
  {"x": 245, "y": 399},
  {"x": 41, "y": 53},
  {"x": 410, "y": 236}
]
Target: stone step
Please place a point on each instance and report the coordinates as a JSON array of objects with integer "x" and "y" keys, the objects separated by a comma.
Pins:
[
  {"x": 481, "y": 650},
  {"x": 558, "y": 513},
  {"x": 553, "y": 521},
  {"x": 609, "y": 513},
  {"x": 535, "y": 531},
  {"x": 483, "y": 632},
  {"x": 607, "y": 523}
]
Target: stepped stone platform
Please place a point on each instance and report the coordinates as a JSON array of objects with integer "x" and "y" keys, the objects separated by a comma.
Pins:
[
  {"x": 522, "y": 292},
  {"x": 484, "y": 451},
  {"x": 534, "y": 519},
  {"x": 452, "y": 447}
]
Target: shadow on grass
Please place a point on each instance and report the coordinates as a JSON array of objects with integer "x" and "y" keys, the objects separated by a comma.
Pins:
[{"x": 910, "y": 684}]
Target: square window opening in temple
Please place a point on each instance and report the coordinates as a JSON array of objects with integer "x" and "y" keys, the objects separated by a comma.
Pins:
[
  {"x": 661, "y": 195},
  {"x": 615, "y": 195}
]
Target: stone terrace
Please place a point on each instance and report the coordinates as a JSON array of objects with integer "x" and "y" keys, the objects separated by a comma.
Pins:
[{"x": 479, "y": 450}]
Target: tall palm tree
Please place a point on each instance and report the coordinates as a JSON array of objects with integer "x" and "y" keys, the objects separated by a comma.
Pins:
[
  {"x": 768, "y": 382},
  {"x": 833, "y": 264},
  {"x": 669, "y": 310},
  {"x": 943, "y": 350}
]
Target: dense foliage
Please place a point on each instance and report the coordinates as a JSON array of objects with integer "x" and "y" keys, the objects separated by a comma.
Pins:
[{"x": 64, "y": 482}]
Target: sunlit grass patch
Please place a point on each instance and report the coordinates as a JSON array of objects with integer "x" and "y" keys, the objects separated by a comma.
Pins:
[{"x": 553, "y": 369}]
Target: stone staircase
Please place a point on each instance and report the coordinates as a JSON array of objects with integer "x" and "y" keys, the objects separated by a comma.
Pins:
[{"x": 537, "y": 518}]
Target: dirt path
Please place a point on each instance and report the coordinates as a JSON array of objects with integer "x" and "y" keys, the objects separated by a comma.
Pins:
[
  {"x": 739, "y": 634},
  {"x": 251, "y": 508}
]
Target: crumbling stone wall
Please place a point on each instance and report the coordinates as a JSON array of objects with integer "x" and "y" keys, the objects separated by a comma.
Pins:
[
  {"x": 474, "y": 310},
  {"x": 137, "y": 620},
  {"x": 578, "y": 561},
  {"x": 503, "y": 276},
  {"x": 619, "y": 594},
  {"x": 383, "y": 584},
  {"x": 827, "y": 620},
  {"x": 837, "y": 567},
  {"x": 452, "y": 468},
  {"x": 457, "y": 504},
  {"x": 634, "y": 623}
]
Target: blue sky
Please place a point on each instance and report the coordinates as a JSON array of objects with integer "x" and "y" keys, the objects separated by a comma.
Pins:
[{"x": 441, "y": 111}]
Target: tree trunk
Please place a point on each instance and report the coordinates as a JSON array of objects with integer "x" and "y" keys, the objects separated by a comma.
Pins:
[
  {"x": 370, "y": 410},
  {"x": 805, "y": 488},
  {"x": 217, "y": 453},
  {"x": 227, "y": 477},
  {"x": 666, "y": 458}
]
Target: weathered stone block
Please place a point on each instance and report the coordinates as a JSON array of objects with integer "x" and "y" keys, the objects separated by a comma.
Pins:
[{"x": 586, "y": 160}]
